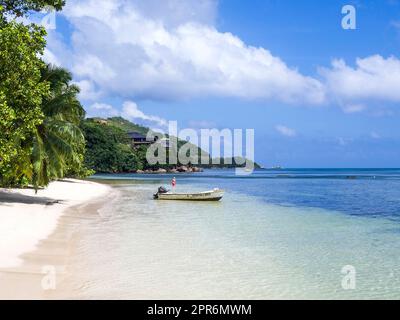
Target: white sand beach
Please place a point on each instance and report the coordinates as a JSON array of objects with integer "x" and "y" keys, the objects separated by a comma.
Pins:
[{"x": 26, "y": 220}]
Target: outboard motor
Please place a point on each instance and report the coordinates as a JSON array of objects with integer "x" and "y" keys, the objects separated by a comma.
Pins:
[{"x": 160, "y": 190}]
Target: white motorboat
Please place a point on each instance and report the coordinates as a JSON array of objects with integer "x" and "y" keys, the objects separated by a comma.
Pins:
[{"x": 211, "y": 195}]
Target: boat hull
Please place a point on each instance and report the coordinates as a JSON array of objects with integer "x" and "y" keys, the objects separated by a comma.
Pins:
[{"x": 200, "y": 196}]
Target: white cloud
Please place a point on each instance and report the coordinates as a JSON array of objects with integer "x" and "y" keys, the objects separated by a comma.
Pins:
[
  {"x": 175, "y": 53},
  {"x": 50, "y": 57},
  {"x": 131, "y": 111},
  {"x": 102, "y": 110},
  {"x": 87, "y": 90},
  {"x": 102, "y": 106},
  {"x": 57, "y": 51},
  {"x": 285, "y": 131},
  {"x": 200, "y": 11},
  {"x": 94, "y": 68},
  {"x": 353, "y": 108},
  {"x": 373, "y": 77}
]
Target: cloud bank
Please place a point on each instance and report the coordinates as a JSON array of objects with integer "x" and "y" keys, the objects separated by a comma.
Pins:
[
  {"x": 373, "y": 78},
  {"x": 171, "y": 51},
  {"x": 119, "y": 48}
]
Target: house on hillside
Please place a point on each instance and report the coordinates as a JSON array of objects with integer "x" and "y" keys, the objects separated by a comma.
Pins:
[{"x": 138, "y": 139}]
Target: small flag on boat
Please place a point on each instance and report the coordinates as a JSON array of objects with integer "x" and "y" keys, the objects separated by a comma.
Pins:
[{"x": 173, "y": 182}]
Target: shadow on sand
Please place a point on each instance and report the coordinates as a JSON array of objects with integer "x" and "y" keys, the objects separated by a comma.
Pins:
[{"x": 7, "y": 197}]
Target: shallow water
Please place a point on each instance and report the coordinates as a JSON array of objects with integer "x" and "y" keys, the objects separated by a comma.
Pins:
[{"x": 270, "y": 237}]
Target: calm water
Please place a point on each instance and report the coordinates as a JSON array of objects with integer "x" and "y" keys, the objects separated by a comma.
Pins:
[{"x": 275, "y": 234}]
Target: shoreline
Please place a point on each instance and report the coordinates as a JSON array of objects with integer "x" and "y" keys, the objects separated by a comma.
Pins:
[{"x": 34, "y": 257}]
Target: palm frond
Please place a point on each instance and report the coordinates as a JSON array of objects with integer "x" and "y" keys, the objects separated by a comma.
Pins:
[{"x": 58, "y": 142}]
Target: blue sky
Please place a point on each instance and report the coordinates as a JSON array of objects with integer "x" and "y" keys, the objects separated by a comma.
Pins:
[{"x": 317, "y": 95}]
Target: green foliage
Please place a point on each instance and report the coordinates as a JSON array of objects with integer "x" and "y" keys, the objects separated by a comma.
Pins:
[
  {"x": 20, "y": 8},
  {"x": 7, "y": 115},
  {"x": 58, "y": 143},
  {"x": 126, "y": 125},
  {"x": 21, "y": 94},
  {"x": 108, "y": 148},
  {"x": 40, "y": 114}
]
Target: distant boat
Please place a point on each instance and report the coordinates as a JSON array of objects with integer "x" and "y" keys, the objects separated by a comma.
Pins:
[{"x": 211, "y": 195}]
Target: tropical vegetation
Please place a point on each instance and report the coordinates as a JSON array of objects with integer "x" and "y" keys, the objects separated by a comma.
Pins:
[
  {"x": 58, "y": 144},
  {"x": 40, "y": 138},
  {"x": 109, "y": 148}
]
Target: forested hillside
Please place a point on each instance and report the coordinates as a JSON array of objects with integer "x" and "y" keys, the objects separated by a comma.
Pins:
[{"x": 109, "y": 149}]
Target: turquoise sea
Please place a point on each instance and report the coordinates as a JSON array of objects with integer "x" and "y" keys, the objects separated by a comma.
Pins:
[{"x": 276, "y": 234}]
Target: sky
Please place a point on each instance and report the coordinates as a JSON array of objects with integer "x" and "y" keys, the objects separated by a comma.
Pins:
[{"x": 317, "y": 95}]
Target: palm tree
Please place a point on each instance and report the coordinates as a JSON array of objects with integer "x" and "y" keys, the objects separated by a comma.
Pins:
[{"x": 58, "y": 142}]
